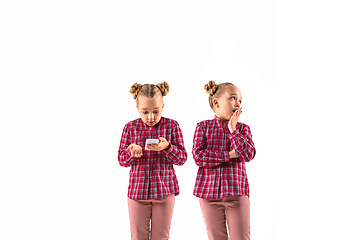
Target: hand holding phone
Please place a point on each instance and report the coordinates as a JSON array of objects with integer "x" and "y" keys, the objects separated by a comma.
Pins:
[
  {"x": 150, "y": 141},
  {"x": 163, "y": 144}
]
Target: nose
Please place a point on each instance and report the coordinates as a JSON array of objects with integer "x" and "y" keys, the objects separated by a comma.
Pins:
[{"x": 151, "y": 116}]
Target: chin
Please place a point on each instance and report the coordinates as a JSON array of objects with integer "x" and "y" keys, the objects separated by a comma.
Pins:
[{"x": 152, "y": 124}]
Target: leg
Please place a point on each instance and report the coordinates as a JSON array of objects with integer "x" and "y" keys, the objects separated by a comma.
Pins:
[
  {"x": 237, "y": 210},
  {"x": 214, "y": 217},
  {"x": 162, "y": 211},
  {"x": 139, "y": 213}
]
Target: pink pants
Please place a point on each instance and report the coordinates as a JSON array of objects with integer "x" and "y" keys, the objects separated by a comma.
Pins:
[
  {"x": 159, "y": 211},
  {"x": 235, "y": 211}
]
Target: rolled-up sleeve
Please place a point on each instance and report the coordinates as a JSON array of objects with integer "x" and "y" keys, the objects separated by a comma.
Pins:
[
  {"x": 203, "y": 156},
  {"x": 124, "y": 155},
  {"x": 241, "y": 142},
  {"x": 176, "y": 154}
]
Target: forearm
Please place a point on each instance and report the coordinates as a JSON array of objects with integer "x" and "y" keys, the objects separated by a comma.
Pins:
[
  {"x": 246, "y": 151},
  {"x": 243, "y": 146},
  {"x": 124, "y": 157},
  {"x": 210, "y": 158},
  {"x": 175, "y": 154}
]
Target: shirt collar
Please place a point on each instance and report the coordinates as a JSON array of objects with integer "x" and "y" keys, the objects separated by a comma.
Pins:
[
  {"x": 218, "y": 120},
  {"x": 159, "y": 121}
]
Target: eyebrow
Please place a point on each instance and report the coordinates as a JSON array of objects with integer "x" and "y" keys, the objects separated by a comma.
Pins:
[
  {"x": 147, "y": 109},
  {"x": 235, "y": 95}
]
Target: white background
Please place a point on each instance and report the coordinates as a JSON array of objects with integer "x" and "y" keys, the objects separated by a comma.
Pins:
[{"x": 66, "y": 71}]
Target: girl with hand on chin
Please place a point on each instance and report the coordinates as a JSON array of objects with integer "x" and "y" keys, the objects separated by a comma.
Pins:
[
  {"x": 153, "y": 184},
  {"x": 221, "y": 146}
]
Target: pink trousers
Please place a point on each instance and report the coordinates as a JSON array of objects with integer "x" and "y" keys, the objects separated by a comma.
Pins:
[
  {"x": 158, "y": 211},
  {"x": 233, "y": 211}
]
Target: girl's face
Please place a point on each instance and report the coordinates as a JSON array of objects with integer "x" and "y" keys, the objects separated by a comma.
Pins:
[
  {"x": 150, "y": 109},
  {"x": 227, "y": 103}
]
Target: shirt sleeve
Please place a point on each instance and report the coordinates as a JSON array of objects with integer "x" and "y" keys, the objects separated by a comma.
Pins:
[
  {"x": 124, "y": 155},
  {"x": 205, "y": 157},
  {"x": 241, "y": 142},
  {"x": 176, "y": 154}
]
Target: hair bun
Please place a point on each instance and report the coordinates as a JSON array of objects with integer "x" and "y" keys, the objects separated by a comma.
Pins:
[
  {"x": 164, "y": 88},
  {"x": 211, "y": 87},
  {"x": 135, "y": 89}
]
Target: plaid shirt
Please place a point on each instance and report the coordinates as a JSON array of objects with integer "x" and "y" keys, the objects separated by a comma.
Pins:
[
  {"x": 218, "y": 175},
  {"x": 152, "y": 175}
]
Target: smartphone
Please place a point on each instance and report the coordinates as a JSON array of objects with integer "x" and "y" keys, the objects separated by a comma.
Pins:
[{"x": 151, "y": 141}]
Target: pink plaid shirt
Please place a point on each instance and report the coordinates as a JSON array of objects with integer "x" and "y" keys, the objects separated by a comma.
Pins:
[
  {"x": 152, "y": 175},
  {"x": 218, "y": 175}
]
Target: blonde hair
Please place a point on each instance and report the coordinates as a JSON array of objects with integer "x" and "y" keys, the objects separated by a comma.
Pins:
[
  {"x": 149, "y": 90},
  {"x": 215, "y": 90}
]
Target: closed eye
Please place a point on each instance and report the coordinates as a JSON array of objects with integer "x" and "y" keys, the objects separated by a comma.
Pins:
[{"x": 148, "y": 112}]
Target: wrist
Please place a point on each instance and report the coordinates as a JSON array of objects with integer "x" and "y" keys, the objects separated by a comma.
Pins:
[
  {"x": 232, "y": 129},
  {"x": 168, "y": 146}
]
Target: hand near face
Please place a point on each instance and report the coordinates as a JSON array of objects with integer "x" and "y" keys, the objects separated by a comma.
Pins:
[
  {"x": 136, "y": 150},
  {"x": 163, "y": 144},
  {"x": 234, "y": 119}
]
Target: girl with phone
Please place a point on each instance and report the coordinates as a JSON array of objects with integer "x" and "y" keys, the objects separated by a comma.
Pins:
[
  {"x": 152, "y": 184},
  {"x": 221, "y": 146}
]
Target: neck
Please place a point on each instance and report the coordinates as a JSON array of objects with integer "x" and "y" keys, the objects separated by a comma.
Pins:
[{"x": 222, "y": 120}]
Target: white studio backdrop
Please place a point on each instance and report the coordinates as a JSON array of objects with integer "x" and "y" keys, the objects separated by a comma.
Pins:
[{"x": 66, "y": 71}]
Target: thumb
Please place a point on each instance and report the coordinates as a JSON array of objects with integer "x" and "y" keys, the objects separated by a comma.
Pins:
[
  {"x": 162, "y": 139},
  {"x": 129, "y": 147}
]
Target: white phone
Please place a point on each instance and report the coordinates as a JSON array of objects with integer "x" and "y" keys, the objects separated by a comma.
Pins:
[{"x": 151, "y": 141}]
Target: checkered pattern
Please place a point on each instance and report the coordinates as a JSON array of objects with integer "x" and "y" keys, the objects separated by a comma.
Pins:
[
  {"x": 218, "y": 175},
  {"x": 152, "y": 175}
]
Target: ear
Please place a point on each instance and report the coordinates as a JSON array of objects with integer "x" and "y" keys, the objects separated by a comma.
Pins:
[
  {"x": 137, "y": 108},
  {"x": 215, "y": 102},
  {"x": 163, "y": 106}
]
